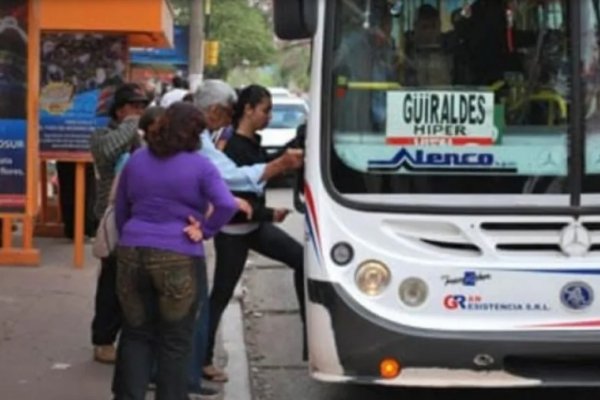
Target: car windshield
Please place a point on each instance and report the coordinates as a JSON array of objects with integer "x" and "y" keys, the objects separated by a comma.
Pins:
[{"x": 287, "y": 116}]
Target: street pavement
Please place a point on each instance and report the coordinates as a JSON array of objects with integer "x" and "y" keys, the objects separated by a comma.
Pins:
[
  {"x": 45, "y": 345},
  {"x": 274, "y": 342},
  {"x": 45, "y": 316}
]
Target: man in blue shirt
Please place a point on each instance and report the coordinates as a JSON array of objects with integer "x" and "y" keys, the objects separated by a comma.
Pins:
[{"x": 216, "y": 99}]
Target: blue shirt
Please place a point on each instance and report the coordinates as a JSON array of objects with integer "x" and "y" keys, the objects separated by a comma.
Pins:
[
  {"x": 121, "y": 162},
  {"x": 239, "y": 179}
]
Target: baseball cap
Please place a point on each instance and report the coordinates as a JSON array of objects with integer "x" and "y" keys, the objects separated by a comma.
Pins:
[
  {"x": 173, "y": 96},
  {"x": 125, "y": 94}
]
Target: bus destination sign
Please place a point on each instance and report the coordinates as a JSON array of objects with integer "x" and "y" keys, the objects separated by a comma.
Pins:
[{"x": 444, "y": 118}]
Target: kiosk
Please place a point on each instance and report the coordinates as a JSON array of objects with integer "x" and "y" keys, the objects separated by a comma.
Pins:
[{"x": 55, "y": 103}]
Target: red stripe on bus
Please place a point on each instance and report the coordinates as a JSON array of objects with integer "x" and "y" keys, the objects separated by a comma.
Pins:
[
  {"x": 458, "y": 141},
  {"x": 581, "y": 324},
  {"x": 310, "y": 202}
]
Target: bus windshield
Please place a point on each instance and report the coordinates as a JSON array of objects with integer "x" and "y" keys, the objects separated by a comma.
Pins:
[{"x": 450, "y": 97}]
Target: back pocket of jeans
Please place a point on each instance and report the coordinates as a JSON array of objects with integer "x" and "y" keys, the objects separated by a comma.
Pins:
[
  {"x": 128, "y": 291},
  {"x": 179, "y": 293}
]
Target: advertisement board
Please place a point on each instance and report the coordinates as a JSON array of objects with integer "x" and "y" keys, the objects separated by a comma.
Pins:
[
  {"x": 13, "y": 104},
  {"x": 79, "y": 73}
]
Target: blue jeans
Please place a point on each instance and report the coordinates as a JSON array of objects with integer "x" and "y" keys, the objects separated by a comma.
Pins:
[
  {"x": 199, "y": 345},
  {"x": 158, "y": 291}
]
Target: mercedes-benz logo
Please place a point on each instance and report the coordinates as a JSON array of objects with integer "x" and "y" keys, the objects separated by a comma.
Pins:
[
  {"x": 577, "y": 295},
  {"x": 575, "y": 240}
]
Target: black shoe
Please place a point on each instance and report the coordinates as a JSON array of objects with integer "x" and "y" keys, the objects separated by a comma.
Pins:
[{"x": 204, "y": 393}]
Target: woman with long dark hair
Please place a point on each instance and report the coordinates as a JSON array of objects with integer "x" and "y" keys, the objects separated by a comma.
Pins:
[
  {"x": 251, "y": 114},
  {"x": 161, "y": 270}
]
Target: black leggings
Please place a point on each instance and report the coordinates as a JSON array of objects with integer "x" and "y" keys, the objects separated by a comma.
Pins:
[{"x": 231, "y": 254}]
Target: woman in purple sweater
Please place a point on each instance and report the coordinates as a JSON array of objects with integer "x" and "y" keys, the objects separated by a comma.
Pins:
[{"x": 161, "y": 272}]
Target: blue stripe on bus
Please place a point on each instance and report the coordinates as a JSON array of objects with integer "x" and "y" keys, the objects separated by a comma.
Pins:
[
  {"x": 554, "y": 271},
  {"x": 312, "y": 238}
]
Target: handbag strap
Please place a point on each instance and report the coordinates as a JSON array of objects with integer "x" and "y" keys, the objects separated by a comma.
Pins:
[{"x": 113, "y": 189}]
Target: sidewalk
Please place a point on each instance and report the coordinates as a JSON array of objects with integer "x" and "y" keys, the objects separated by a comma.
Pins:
[{"x": 45, "y": 316}]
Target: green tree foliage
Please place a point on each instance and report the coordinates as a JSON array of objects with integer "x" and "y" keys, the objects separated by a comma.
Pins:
[
  {"x": 182, "y": 11},
  {"x": 244, "y": 34},
  {"x": 240, "y": 77},
  {"x": 293, "y": 61}
]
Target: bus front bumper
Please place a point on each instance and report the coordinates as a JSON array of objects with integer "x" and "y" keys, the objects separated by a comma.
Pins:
[{"x": 348, "y": 344}]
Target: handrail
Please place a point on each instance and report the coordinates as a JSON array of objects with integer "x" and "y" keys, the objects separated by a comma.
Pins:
[{"x": 373, "y": 85}]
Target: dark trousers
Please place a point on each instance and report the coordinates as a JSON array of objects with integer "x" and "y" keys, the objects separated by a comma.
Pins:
[
  {"x": 158, "y": 291},
  {"x": 107, "y": 318},
  {"x": 231, "y": 254},
  {"x": 199, "y": 346},
  {"x": 66, "y": 182},
  {"x": 199, "y": 343}
]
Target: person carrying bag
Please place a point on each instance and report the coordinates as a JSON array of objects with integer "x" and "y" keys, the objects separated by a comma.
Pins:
[{"x": 107, "y": 235}]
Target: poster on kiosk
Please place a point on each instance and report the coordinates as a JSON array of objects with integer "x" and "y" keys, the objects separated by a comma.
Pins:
[
  {"x": 79, "y": 74},
  {"x": 13, "y": 105}
]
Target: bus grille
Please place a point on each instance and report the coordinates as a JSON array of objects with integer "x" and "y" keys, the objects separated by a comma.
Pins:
[
  {"x": 524, "y": 237},
  {"x": 504, "y": 236}
]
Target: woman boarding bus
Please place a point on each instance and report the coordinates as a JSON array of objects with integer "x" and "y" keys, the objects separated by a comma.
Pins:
[{"x": 451, "y": 187}]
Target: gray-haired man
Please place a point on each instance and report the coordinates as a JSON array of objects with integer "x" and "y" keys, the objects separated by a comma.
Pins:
[{"x": 216, "y": 99}]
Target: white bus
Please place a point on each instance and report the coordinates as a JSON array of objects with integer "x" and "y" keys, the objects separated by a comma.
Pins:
[{"x": 452, "y": 187}]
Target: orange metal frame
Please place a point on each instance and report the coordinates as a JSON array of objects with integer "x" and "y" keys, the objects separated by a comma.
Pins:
[
  {"x": 27, "y": 254},
  {"x": 147, "y": 23}
]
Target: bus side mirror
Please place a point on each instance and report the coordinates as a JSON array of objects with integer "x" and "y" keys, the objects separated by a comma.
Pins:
[
  {"x": 298, "y": 185},
  {"x": 295, "y": 19}
]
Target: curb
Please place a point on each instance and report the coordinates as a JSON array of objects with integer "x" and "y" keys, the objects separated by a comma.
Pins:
[{"x": 238, "y": 387}]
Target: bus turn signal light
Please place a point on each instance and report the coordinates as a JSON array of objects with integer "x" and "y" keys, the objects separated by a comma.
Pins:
[{"x": 389, "y": 368}]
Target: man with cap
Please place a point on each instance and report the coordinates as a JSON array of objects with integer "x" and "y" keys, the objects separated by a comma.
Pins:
[{"x": 107, "y": 145}]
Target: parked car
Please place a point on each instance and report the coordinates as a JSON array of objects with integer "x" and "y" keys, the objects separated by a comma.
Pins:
[
  {"x": 279, "y": 92},
  {"x": 288, "y": 114}
]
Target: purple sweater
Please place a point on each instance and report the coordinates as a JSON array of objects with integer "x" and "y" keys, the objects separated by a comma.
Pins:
[{"x": 156, "y": 196}]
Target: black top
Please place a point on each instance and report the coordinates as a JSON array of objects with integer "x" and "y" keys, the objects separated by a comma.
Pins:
[{"x": 247, "y": 151}]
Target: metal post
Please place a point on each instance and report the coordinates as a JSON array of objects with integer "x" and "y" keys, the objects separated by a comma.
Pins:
[
  {"x": 79, "y": 254},
  {"x": 196, "y": 49},
  {"x": 207, "y": 12}
]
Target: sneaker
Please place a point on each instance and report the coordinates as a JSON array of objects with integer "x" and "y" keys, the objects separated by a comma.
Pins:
[
  {"x": 105, "y": 354},
  {"x": 204, "y": 393}
]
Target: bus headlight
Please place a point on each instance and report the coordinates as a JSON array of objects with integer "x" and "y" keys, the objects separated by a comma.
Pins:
[
  {"x": 413, "y": 292},
  {"x": 342, "y": 253},
  {"x": 372, "y": 277}
]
